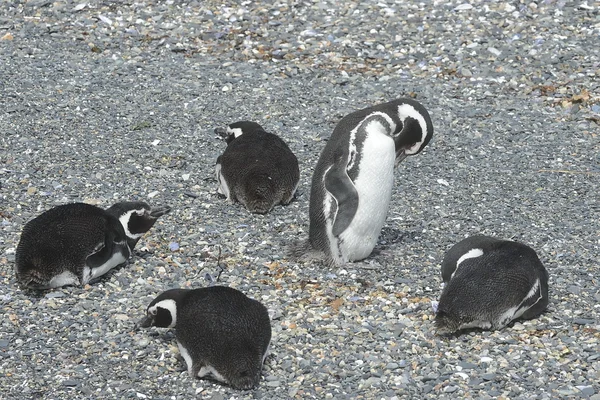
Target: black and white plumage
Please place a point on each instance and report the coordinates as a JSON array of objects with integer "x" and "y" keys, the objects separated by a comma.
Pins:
[
  {"x": 221, "y": 333},
  {"x": 489, "y": 283},
  {"x": 257, "y": 168},
  {"x": 72, "y": 244},
  {"x": 352, "y": 182}
]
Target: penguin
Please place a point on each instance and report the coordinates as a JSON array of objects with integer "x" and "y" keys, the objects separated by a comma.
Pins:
[
  {"x": 488, "y": 283},
  {"x": 257, "y": 168},
  {"x": 72, "y": 244},
  {"x": 221, "y": 333},
  {"x": 352, "y": 182}
]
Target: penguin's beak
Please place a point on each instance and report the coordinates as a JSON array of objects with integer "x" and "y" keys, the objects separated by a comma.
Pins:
[
  {"x": 159, "y": 211},
  {"x": 400, "y": 157},
  {"x": 145, "y": 322}
]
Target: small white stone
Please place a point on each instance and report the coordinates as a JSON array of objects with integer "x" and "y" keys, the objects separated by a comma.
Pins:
[
  {"x": 462, "y": 375},
  {"x": 494, "y": 51},
  {"x": 486, "y": 359},
  {"x": 461, "y": 7}
]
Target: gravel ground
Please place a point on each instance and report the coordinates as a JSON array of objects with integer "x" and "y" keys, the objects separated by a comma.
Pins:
[{"x": 103, "y": 102}]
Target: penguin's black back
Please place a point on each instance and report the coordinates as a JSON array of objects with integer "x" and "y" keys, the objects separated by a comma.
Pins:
[
  {"x": 224, "y": 328},
  {"x": 259, "y": 167},
  {"x": 61, "y": 239}
]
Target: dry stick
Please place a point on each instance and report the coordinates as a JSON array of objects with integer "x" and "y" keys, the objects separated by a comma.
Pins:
[{"x": 219, "y": 265}]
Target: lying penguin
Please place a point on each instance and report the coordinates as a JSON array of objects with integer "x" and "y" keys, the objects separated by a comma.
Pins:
[
  {"x": 489, "y": 283},
  {"x": 74, "y": 243},
  {"x": 257, "y": 168},
  {"x": 221, "y": 333},
  {"x": 352, "y": 183}
]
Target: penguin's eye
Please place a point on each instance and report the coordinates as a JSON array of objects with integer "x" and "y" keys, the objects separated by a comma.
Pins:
[{"x": 153, "y": 311}]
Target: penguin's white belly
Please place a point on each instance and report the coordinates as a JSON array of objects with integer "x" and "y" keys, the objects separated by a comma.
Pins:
[
  {"x": 187, "y": 358},
  {"x": 223, "y": 188},
  {"x": 374, "y": 187},
  {"x": 63, "y": 279}
]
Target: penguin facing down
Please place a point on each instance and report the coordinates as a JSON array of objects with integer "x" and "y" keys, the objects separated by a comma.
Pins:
[
  {"x": 221, "y": 333},
  {"x": 257, "y": 168},
  {"x": 74, "y": 243},
  {"x": 489, "y": 283},
  {"x": 352, "y": 182}
]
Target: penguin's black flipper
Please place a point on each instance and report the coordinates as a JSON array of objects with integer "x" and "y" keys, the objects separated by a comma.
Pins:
[
  {"x": 341, "y": 187},
  {"x": 104, "y": 250},
  {"x": 99, "y": 255}
]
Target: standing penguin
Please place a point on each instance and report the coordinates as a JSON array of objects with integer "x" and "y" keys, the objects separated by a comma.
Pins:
[
  {"x": 74, "y": 243},
  {"x": 257, "y": 168},
  {"x": 352, "y": 183},
  {"x": 221, "y": 333},
  {"x": 488, "y": 283}
]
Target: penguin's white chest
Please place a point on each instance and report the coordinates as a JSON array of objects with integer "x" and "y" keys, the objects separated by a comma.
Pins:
[{"x": 374, "y": 186}]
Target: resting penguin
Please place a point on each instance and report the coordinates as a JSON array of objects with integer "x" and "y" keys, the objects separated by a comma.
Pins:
[
  {"x": 221, "y": 333},
  {"x": 488, "y": 283},
  {"x": 74, "y": 243},
  {"x": 257, "y": 168},
  {"x": 352, "y": 182}
]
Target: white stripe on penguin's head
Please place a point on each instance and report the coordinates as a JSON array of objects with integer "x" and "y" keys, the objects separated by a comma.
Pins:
[
  {"x": 236, "y": 132},
  {"x": 473, "y": 253},
  {"x": 124, "y": 220},
  {"x": 169, "y": 305}
]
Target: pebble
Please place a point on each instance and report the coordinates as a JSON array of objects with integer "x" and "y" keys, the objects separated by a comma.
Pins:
[
  {"x": 450, "y": 389},
  {"x": 583, "y": 321}
]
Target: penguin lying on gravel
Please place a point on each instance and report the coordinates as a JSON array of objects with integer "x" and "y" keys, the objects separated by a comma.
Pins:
[
  {"x": 352, "y": 183},
  {"x": 74, "y": 243},
  {"x": 489, "y": 283},
  {"x": 221, "y": 333},
  {"x": 257, "y": 168}
]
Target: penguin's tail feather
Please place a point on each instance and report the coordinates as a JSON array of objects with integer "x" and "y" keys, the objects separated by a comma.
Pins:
[
  {"x": 259, "y": 206},
  {"x": 303, "y": 251},
  {"x": 298, "y": 249},
  {"x": 30, "y": 277},
  {"x": 258, "y": 193},
  {"x": 445, "y": 323}
]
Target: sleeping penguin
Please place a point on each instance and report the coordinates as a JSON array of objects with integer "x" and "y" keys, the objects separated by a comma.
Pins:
[
  {"x": 221, "y": 333},
  {"x": 75, "y": 243},
  {"x": 257, "y": 168},
  {"x": 489, "y": 283},
  {"x": 352, "y": 182}
]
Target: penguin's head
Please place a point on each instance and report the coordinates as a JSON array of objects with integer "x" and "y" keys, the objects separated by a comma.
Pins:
[
  {"x": 414, "y": 131},
  {"x": 237, "y": 129},
  {"x": 137, "y": 218},
  {"x": 162, "y": 311}
]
